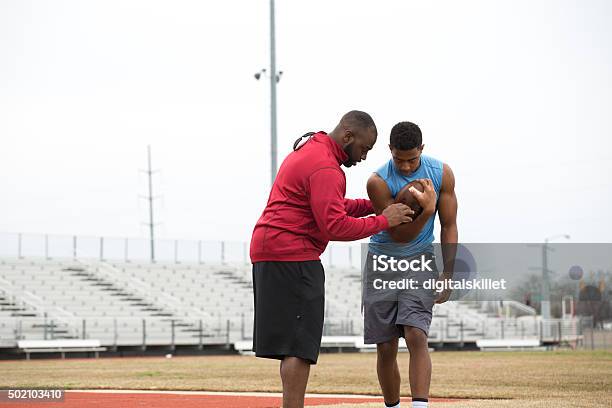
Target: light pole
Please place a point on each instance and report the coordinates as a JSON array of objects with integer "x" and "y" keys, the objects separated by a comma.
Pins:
[{"x": 274, "y": 78}]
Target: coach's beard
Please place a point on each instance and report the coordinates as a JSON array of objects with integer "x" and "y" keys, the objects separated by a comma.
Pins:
[{"x": 348, "y": 162}]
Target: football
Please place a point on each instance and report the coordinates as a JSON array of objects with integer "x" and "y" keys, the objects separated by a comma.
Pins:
[{"x": 406, "y": 197}]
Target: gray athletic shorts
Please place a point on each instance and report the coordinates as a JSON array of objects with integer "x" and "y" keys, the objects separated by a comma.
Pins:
[{"x": 386, "y": 312}]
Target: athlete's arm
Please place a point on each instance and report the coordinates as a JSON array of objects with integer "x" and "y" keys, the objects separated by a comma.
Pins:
[
  {"x": 379, "y": 193},
  {"x": 380, "y": 197},
  {"x": 449, "y": 235}
]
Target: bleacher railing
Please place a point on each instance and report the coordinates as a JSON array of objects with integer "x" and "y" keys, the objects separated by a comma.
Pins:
[{"x": 50, "y": 246}]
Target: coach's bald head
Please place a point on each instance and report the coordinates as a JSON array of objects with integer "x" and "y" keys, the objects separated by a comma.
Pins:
[{"x": 357, "y": 134}]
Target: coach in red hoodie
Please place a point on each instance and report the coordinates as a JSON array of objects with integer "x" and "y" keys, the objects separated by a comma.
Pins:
[{"x": 307, "y": 209}]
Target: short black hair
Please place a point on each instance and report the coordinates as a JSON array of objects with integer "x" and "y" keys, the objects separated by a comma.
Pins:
[
  {"x": 406, "y": 136},
  {"x": 359, "y": 119}
]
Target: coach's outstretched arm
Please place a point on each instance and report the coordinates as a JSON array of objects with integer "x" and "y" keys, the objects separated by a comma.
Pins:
[
  {"x": 327, "y": 188},
  {"x": 359, "y": 207},
  {"x": 449, "y": 234}
]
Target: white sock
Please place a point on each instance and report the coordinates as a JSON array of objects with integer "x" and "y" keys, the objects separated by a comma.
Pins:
[
  {"x": 393, "y": 406},
  {"x": 420, "y": 404}
]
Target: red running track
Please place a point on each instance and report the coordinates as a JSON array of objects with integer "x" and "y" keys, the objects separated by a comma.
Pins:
[{"x": 127, "y": 399}]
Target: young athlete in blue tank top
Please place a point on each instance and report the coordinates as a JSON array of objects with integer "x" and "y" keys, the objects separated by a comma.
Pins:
[{"x": 409, "y": 316}]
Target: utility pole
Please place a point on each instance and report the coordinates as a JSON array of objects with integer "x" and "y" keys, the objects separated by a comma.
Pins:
[
  {"x": 545, "y": 302},
  {"x": 150, "y": 199},
  {"x": 545, "y": 287},
  {"x": 546, "y": 275}
]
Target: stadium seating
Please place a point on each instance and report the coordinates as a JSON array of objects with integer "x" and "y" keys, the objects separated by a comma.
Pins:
[{"x": 172, "y": 304}]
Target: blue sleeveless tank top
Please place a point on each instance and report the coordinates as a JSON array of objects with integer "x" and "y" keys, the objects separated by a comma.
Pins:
[{"x": 430, "y": 168}]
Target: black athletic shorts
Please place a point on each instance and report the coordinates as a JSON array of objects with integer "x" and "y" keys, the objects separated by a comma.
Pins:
[
  {"x": 289, "y": 309},
  {"x": 386, "y": 312}
]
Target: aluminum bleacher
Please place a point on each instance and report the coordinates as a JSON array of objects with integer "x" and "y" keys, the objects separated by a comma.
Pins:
[{"x": 144, "y": 304}]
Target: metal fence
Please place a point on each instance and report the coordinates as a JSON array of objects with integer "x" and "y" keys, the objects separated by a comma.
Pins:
[
  {"x": 51, "y": 246},
  {"x": 145, "y": 332},
  {"x": 124, "y": 331},
  {"x": 594, "y": 338}
]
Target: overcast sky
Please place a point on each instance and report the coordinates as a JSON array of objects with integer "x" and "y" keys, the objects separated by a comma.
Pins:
[{"x": 516, "y": 96}]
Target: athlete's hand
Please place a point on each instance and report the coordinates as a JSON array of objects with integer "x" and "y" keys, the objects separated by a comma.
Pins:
[
  {"x": 398, "y": 214},
  {"x": 445, "y": 294},
  {"x": 426, "y": 199}
]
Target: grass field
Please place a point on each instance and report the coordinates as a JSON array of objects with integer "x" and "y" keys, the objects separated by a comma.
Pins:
[{"x": 488, "y": 379}]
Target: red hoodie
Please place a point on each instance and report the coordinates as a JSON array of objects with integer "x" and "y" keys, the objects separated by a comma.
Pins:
[{"x": 307, "y": 209}]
